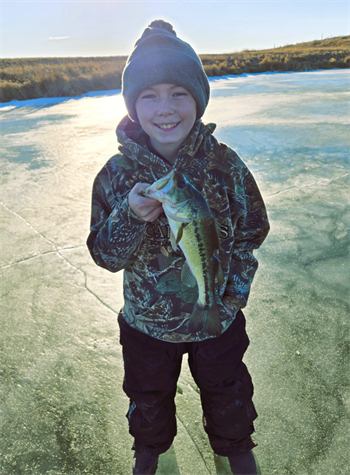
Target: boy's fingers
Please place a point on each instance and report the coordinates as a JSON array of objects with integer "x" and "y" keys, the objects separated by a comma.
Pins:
[
  {"x": 139, "y": 187},
  {"x": 136, "y": 196},
  {"x": 150, "y": 213},
  {"x": 145, "y": 208}
]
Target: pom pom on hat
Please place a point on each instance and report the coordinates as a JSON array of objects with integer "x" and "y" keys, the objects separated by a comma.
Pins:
[
  {"x": 162, "y": 24},
  {"x": 159, "y": 56}
]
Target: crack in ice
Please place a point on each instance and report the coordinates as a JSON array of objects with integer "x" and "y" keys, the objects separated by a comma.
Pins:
[
  {"x": 27, "y": 222},
  {"x": 193, "y": 441},
  {"x": 56, "y": 251},
  {"x": 317, "y": 183},
  {"x": 36, "y": 256}
]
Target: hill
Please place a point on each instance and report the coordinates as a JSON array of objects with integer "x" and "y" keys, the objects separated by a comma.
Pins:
[
  {"x": 319, "y": 54},
  {"x": 30, "y": 78}
]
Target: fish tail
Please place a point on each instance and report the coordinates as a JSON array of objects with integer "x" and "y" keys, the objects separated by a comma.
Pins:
[{"x": 206, "y": 319}]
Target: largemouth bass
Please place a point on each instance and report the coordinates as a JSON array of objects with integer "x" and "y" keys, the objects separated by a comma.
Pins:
[{"x": 192, "y": 227}]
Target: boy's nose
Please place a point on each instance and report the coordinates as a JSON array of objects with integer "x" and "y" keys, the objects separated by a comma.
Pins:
[{"x": 165, "y": 107}]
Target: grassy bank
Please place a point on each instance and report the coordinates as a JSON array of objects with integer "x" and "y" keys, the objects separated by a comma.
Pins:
[{"x": 31, "y": 78}]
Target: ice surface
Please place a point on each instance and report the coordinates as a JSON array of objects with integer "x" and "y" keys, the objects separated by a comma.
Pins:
[{"x": 62, "y": 406}]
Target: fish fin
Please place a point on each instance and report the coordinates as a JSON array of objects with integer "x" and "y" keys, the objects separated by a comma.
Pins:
[
  {"x": 219, "y": 272},
  {"x": 187, "y": 276},
  {"x": 206, "y": 319},
  {"x": 180, "y": 233},
  {"x": 173, "y": 240}
]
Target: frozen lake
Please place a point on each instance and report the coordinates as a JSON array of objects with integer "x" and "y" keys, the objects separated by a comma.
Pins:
[{"x": 62, "y": 406}]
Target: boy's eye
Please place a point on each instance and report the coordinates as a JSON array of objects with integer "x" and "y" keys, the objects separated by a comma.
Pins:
[
  {"x": 179, "y": 93},
  {"x": 148, "y": 96}
]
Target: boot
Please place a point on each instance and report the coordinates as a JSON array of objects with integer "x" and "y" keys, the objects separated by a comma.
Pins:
[
  {"x": 144, "y": 464},
  {"x": 244, "y": 464}
]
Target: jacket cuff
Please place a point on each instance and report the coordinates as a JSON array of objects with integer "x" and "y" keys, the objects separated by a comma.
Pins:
[{"x": 232, "y": 302}]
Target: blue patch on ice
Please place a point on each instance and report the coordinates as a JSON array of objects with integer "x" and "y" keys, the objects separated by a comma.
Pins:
[{"x": 52, "y": 101}]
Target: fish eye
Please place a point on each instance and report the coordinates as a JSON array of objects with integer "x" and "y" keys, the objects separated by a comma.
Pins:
[{"x": 181, "y": 184}]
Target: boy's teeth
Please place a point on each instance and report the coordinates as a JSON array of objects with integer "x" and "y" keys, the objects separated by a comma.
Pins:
[{"x": 170, "y": 126}]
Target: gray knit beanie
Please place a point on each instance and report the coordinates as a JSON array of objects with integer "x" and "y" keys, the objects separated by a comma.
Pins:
[{"x": 159, "y": 56}]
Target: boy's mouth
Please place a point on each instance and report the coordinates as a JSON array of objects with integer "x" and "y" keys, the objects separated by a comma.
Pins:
[{"x": 167, "y": 126}]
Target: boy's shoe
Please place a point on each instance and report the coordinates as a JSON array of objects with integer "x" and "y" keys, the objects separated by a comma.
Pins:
[
  {"x": 245, "y": 464},
  {"x": 145, "y": 464}
]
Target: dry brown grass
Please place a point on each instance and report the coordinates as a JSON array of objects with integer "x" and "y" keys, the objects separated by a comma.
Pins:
[
  {"x": 322, "y": 54},
  {"x": 57, "y": 77}
]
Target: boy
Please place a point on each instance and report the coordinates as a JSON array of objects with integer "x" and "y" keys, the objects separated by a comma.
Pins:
[{"x": 166, "y": 92}]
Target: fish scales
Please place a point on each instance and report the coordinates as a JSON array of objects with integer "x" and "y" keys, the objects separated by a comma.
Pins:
[
  {"x": 193, "y": 229},
  {"x": 204, "y": 269}
]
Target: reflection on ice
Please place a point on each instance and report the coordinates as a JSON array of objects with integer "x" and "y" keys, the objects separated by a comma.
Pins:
[
  {"x": 63, "y": 407},
  {"x": 281, "y": 98}
]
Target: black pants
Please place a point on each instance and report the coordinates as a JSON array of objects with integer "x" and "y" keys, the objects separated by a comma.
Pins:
[{"x": 152, "y": 368}]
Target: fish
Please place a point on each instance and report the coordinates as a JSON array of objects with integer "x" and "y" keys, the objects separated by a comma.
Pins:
[{"x": 193, "y": 229}]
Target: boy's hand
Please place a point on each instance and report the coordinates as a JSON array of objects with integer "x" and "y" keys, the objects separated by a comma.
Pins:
[{"x": 144, "y": 208}]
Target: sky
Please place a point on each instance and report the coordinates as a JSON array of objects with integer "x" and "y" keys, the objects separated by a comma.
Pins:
[{"x": 51, "y": 28}]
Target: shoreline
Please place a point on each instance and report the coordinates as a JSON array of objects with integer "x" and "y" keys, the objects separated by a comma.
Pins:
[
  {"x": 51, "y": 101},
  {"x": 24, "y": 79}
]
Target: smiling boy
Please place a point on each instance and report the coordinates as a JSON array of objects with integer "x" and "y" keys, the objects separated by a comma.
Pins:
[
  {"x": 166, "y": 92},
  {"x": 166, "y": 113}
]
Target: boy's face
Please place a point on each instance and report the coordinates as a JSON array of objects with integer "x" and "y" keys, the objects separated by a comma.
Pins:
[{"x": 167, "y": 113}]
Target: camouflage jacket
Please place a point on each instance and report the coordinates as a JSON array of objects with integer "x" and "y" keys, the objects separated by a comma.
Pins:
[{"x": 156, "y": 301}]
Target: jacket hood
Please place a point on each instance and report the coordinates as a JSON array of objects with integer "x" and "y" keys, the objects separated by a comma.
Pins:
[{"x": 133, "y": 142}]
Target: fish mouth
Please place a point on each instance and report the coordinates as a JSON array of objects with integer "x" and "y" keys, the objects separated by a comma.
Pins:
[
  {"x": 154, "y": 191},
  {"x": 160, "y": 184}
]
